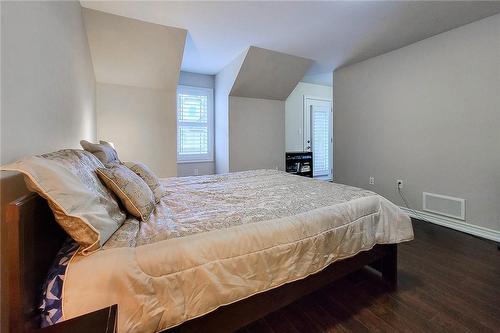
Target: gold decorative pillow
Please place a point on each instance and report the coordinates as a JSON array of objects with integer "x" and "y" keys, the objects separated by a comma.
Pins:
[
  {"x": 81, "y": 204},
  {"x": 103, "y": 151},
  {"x": 133, "y": 192},
  {"x": 149, "y": 177}
]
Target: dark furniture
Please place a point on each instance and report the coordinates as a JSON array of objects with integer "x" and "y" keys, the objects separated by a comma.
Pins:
[
  {"x": 34, "y": 239},
  {"x": 299, "y": 163},
  {"x": 100, "y": 321}
]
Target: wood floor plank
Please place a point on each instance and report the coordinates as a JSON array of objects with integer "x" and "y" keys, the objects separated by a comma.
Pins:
[
  {"x": 346, "y": 320},
  {"x": 386, "y": 308},
  {"x": 329, "y": 322},
  {"x": 480, "y": 315},
  {"x": 298, "y": 320},
  {"x": 259, "y": 326},
  {"x": 359, "y": 308},
  {"x": 448, "y": 282},
  {"x": 483, "y": 289},
  {"x": 279, "y": 323}
]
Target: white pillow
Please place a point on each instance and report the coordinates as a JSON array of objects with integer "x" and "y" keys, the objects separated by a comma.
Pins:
[{"x": 82, "y": 205}]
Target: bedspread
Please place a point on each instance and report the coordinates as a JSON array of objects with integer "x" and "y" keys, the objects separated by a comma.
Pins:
[{"x": 214, "y": 240}]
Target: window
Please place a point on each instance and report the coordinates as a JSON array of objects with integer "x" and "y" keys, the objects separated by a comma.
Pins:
[{"x": 194, "y": 124}]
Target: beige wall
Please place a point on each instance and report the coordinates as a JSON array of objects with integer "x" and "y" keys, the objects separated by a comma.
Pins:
[
  {"x": 48, "y": 91},
  {"x": 137, "y": 121},
  {"x": 137, "y": 68},
  {"x": 195, "y": 169},
  {"x": 428, "y": 114},
  {"x": 256, "y": 133},
  {"x": 294, "y": 112}
]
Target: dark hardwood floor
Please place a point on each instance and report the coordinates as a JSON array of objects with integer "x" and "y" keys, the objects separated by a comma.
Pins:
[{"x": 448, "y": 282}]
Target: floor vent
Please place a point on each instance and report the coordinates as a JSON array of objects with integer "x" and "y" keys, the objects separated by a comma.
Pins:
[{"x": 444, "y": 205}]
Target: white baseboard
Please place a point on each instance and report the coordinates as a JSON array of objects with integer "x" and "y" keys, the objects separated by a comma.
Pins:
[{"x": 454, "y": 224}]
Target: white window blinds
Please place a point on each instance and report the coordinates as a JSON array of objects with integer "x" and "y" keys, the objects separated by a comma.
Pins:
[
  {"x": 194, "y": 124},
  {"x": 320, "y": 122}
]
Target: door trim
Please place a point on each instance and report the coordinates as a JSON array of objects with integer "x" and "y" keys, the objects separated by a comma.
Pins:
[{"x": 305, "y": 111}]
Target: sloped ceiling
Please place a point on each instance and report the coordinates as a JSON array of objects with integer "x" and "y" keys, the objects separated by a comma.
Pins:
[
  {"x": 134, "y": 53},
  {"x": 332, "y": 33},
  {"x": 269, "y": 74},
  {"x": 324, "y": 79}
]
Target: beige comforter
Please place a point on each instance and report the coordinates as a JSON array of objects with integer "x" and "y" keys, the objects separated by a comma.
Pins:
[{"x": 214, "y": 240}]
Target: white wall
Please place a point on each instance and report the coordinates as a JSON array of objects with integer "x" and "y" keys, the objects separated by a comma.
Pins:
[
  {"x": 224, "y": 81},
  {"x": 48, "y": 84},
  {"x": 294, "y": 112},
  {"x": 429, "y": 114},
  {"x": 48, "y": 92},
  {"x": 256, "y": 133},
  {"x": 201, "y": 81}
]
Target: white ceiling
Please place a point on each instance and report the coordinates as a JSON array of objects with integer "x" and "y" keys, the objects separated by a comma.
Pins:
[{"x": 332, "y": 33}]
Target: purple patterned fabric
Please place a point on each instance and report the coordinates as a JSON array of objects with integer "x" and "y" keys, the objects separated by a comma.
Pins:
[{"x": 51, "y": 302}]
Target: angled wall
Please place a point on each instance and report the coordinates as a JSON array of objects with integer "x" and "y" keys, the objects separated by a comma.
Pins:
[
  {"x": 137, "y": 67},
  {"x": 267, "y": 74},
  {"x": 256, "y": 108}
]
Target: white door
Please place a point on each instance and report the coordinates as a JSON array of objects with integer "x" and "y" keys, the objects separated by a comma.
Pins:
[{"x": 318, "y": 138}]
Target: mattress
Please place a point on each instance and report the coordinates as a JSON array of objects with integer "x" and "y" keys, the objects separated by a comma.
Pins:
[{"x": 214, "y": 240}]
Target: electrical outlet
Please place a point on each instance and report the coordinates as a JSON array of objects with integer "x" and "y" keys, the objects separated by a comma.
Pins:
[
  {"x": 399, "y": 184},
  {"x": 196, "y": 172},
  {"x": 372, "y": 181}
]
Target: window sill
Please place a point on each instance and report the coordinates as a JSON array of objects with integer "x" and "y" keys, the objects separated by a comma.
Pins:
[
  {"x": 195, "y": 161},
  {"x": 326, "y": 178}
]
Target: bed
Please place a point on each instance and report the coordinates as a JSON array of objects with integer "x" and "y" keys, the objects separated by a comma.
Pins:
[{"x": 219, "y": 251}]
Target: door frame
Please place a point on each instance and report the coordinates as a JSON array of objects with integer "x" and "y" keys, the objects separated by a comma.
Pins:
[{"x": 305, "y": 112}]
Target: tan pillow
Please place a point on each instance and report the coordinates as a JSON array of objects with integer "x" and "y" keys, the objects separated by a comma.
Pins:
[
  {"x": 133, "y": 192},
  {"x": 81, "y": 204},
  {"x": 103, "y": 151},
  {"x": 149, "y": 177}
]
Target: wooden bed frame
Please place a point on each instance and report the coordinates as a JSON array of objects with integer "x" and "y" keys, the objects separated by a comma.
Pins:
[{"x": 34, "y": 238}]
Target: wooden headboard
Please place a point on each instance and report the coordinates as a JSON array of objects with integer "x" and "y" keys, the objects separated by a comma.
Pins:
[{"x": 33, "y": 240}]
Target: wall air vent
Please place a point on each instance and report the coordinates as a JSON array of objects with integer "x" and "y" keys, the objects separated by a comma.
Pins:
[{"x": 444, "y": 205}]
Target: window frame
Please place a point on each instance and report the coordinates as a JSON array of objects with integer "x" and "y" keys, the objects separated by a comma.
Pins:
[{"x": 200, "y": 91}]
